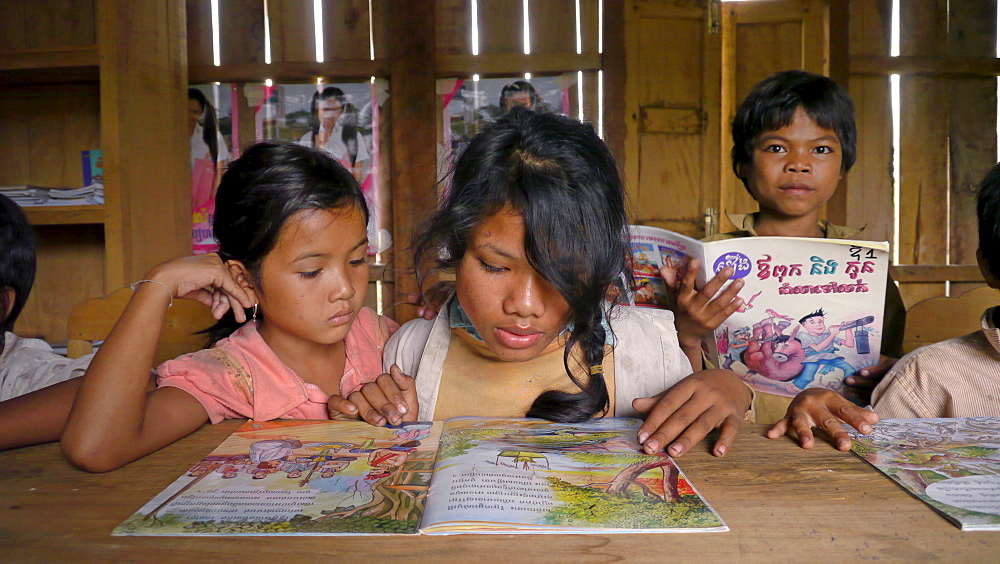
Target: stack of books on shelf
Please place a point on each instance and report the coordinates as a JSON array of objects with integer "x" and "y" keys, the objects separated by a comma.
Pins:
[{"x": 39, "y": 196}]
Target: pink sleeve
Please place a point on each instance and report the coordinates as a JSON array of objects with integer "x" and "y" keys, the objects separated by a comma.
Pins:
[
  {"x": 369, "y": 335},
  {"x": 215, "y": 379}
]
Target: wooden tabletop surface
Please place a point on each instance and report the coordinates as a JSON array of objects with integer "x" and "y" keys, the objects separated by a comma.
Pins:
[{"x": 781, "y": 503}]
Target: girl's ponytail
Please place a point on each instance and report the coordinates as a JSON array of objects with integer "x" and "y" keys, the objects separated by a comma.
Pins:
[{"x": 565, "y": 407}]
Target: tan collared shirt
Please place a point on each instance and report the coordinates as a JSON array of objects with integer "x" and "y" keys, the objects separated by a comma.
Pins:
[
  {"x": 746, "y": 227},
  {"x": 511, "y": 387},
  {"x": 959, "y": 377}
]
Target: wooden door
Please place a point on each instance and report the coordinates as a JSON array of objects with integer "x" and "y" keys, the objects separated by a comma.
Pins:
[{"x": 689, "y": 65}]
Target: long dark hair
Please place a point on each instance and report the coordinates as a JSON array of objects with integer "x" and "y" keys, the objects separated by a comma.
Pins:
[
  {"x": 209, "y": 124},
  {"x": 988, "y": 211},
  {"x": 558, "y": 174},
  {"x": 17, "y": 262},
  {"x": 261, "y": 190}
]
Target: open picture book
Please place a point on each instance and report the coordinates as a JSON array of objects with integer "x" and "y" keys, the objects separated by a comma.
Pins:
[
  {"x": 812, "y": 312},
  {"x": 465, "y": 475},
  {"x": 953, "y": 465}
]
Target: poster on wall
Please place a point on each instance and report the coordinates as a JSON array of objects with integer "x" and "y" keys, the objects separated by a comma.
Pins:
[
  {"x": 467, "y": 105},
  {"x": 342, "y": 119},
  {"x": 210, "y": 126}
]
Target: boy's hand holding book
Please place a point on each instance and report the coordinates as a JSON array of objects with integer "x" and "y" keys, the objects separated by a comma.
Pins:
[{"x": 700, "y": 312}]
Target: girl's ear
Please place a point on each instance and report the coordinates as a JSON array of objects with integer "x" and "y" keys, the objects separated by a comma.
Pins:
[
  {"x": 991, "y": 280},
  {"x": 242, "y": 276},
  {"x": 7, "y": 297}
]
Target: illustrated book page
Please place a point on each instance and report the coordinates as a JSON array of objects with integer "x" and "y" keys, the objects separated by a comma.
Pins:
[
  {"x": 953, "y": 465},
  {"x": 533, "y": 476},
  {"x": 812, "y": 312},
  {"x": 492, "y": 475},
  {"x": 299, "y": 478}
]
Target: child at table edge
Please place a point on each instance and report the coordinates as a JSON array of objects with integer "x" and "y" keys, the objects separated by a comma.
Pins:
[
  {"x": 793, "y": 127},
  {"x": 288, "y": 287},
  {"x": 958, "y": 377},
  {"x": 25, "y": 364}
]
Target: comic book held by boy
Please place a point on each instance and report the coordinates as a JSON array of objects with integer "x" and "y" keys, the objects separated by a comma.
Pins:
[
  {"x": 490, "y": 476},
  {"x": 812, "y": 312},
  {"x": 953, "y": 465}
]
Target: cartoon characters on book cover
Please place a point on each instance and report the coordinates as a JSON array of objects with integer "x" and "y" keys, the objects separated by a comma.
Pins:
[{"x": 812, "y": 311}]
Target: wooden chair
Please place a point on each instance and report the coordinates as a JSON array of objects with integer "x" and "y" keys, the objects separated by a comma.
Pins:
[
  {"x": 936, "y": 319},
  {"x": 91, "y": 320}
]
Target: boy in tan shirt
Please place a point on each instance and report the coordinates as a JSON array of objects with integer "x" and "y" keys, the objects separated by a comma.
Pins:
[
  {"x": 794, "y": 138},
  {"x": 955, "y": 378}
]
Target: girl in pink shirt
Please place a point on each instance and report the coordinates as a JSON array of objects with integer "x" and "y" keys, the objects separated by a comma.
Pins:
[{"x": 287, "y": 287}]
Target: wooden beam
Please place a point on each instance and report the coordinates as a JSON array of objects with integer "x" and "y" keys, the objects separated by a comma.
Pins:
[
  {"x": 504, "y": 65},
  {"x": 35, "y": 59},
  {"x": 341, "y": 69},
  {"x": 615, "y": 76},
  {"x": 925, "y": 65},
  {"x": 683, "y": 121},
  {"x": 838, "y": 61},
  {"x": 412, "y": 108},
  {"x": 936, "y": 273},
  {"x": 65, "y": 215},
  {"x": 144, "y": 137}
]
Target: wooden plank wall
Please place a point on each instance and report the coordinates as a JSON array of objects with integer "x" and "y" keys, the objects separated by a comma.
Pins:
[
  {"x": 769, "y": 37},
  {"x": 43, "y": 129},
  {"x": 948, "y": 99},
  {"x": 672, "y": 142},
  {"x": 416, "y": 42}
]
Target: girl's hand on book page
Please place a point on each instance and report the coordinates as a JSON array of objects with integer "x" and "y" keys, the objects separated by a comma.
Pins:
[
  {"x": 684, "y": 414},
  {"x": 700, "y": 312},
  {"x": 204, "y": 279},
  {"x": 390, "y": 398},
  {"x": 826, "y": 409},
  {"x": 429, "y": 303}
]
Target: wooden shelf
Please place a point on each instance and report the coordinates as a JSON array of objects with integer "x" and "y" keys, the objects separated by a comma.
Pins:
[
  {"x": 512, "y": 64},
  {"x": 65, "y": 215},
  {"x": 342, "y": 69},
  {"x": 61, "y": 65}
]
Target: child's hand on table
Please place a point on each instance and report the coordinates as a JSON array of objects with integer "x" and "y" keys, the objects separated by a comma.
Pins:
[
  {"x": 684, "y": 414},
  {"x": 700, "y": 312},
  {"x": 826, "y": 409},
  {"x": 391, "y": 398}
]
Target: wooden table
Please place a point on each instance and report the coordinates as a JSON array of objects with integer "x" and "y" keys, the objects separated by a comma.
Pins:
[{"x": 780, "y": 502}]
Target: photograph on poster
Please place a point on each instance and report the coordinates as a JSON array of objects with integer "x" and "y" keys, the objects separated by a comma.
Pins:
[
  {"x": 468, "y": 104},
  {"x": 210, "y": 127},
  {"x": 340, "y": 118}
]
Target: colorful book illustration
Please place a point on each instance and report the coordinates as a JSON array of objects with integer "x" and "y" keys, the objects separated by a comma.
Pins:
[
  {"x": 93, "y": 167},
  {"x": 812, "y": 312},
  {"x": 953, "y": 465},
  {"x": 490, "y": 476}
]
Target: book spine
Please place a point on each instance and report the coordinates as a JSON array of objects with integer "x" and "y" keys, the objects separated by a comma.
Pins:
[{"x": 85, "y": 158}]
